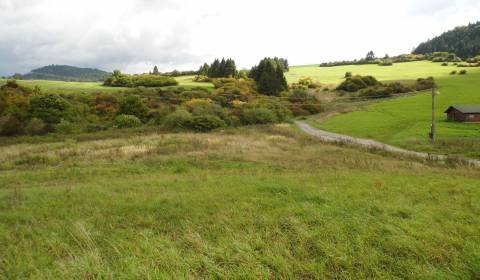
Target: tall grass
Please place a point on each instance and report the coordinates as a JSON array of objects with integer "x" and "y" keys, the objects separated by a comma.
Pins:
[{"x": 260, "y": 202}]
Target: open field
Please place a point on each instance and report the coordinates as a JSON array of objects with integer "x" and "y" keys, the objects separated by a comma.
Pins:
[
  {"x": 399, "y": 71},
  {"x": 93, "y": 87},
  {"x": 405, "y": 121},
  {"x": 259, "y": 202}
]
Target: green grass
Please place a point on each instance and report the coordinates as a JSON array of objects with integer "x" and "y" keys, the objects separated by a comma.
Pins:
[
  {"x": 93, "y": 87},
  {"x": 406, "y": 121},
  {"x": 399, "y": 71},
  {"x": 251, "y": 203}
]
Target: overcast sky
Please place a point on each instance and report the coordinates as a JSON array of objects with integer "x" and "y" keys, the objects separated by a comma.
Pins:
[{"x": 135, "y": 35}]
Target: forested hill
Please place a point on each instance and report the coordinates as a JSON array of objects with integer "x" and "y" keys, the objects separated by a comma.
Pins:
[
  {"x": 464, "y": 41},
  {"x": 66, "y": 73}
]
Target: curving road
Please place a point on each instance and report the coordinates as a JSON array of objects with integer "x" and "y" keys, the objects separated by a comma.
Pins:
[{"x": 372, "y": 144}]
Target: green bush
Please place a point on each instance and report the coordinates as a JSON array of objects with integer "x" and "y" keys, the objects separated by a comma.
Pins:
[
  {"x": 127, "y": 121},
  {"x": 258, "y": 116},
  {"x": 444, "y": 64},
  {"x": 35, "y": 127},
  {"x": 204, "y": 123},
  {"x": 65, "y": 127},
  {"x": 180, "y": 119},
  {"x": 385, "y": 63},
  {"x": 150, "y": 80},
  {"x": 348, "y": 75},
  {"x": 424, "y": 84},
  {"x": 49, "y": 108},
  {"x": 462, "y": 72},
  {"x": 10, "y": 126},
  {"x": 133, "y": 105},
  {"x": 453, "y": 72}
]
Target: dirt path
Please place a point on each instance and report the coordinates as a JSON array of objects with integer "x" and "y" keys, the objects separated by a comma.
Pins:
[{"x": 372, "y": 144}]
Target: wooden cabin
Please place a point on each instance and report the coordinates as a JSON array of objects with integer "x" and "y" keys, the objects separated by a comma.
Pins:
[{"x": 464, "y": 113}]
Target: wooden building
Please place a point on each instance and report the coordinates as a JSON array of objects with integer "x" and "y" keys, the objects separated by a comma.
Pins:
[{"x": 464, "y": 113}]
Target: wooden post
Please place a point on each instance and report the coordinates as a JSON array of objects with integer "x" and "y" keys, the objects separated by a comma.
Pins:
[{"x": 433, "y": 131}]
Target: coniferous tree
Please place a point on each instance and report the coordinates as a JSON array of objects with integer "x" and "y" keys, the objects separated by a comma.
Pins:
[
  {"x": 155, "y": 70},
  {"x": 269, "y": 76}
]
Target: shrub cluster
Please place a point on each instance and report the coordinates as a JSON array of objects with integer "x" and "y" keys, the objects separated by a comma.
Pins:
[
  {"x": 118, "y": 79},
  {"x": 357, "y": 82}
]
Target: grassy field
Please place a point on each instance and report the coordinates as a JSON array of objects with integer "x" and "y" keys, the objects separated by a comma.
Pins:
[
  {"x": 93, "y": 87},
  {"x": 250, "y": 203},
  {"x": 399, "y": 71},
  {"x": 406, "y": 121}
]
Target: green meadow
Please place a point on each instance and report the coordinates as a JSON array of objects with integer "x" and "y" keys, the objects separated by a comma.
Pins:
[
  {"x": 399, "y": 71},
  {"x": 93, "y": 87},
  {"x": 249, "y": 203},
  {"x": 405, "y": 121}
]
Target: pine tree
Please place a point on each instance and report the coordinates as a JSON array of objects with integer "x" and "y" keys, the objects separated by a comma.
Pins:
[
  {"x": 269, "y": 76},
  {"x": 155, "y": 70}
]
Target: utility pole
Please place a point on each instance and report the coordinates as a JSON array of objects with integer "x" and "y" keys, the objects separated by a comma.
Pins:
[{"x": 433, "y": 132}]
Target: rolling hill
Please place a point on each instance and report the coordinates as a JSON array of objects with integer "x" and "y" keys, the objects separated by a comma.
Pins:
[
  {"x": 66, "y": 73},
  {"x": 464, "y": 41}
]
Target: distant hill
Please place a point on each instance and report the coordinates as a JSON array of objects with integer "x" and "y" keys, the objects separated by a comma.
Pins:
[
  {"x": 464, "y": 41},
  {"x": 66, "y": 73}
]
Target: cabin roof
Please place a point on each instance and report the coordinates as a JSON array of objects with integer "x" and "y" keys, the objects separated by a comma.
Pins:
[{"x": 466, "y": 109}]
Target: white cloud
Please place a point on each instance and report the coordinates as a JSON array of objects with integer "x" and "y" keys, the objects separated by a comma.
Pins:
[{"x": 135, "y": 35}]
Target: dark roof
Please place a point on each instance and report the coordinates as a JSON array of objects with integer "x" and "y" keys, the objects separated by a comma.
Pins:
[{"x": 466, "y": 109}]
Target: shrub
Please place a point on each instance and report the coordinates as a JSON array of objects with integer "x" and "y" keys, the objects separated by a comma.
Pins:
[
  {"x": 424, "y": 84},
  {"x": 49, "y": 108},
  {"x": 453, "y": 72},
  {"x": 133, "y": 105},
  {"x": 204, "y": 123},
  {"x": 348, "y": 75},
  {"x": 65, "y": 127},
  {"x": 10, "y": 125},
  {"x": 357, "y": 83},
  {"x": 258, "y": 116},
  {"x": 105, "y": 105},
  {"x": 385, "y": 63},
  {"x": 462, "y": 72},
  {"x": 150, "y": 80},
  {"x": 180, "y": 119},
  {"x": 127, "y": 121},
  {"x": 444, "y": 64},
  {"x": 35, "y": 127}
]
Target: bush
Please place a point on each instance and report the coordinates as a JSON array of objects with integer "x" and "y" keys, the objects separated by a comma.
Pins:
[
  {"x": 424, "y": 84},
  {"x": 453, "y": 72},
  {"x": 204, "y": 123},
  {"x": 127, "y": 121},
  {"x": 445, "y": 64},
  {"x": 385, "y": 63},
  {"x": 49, "y": 108},
  {"x": 133, "y": 105},
  {"x": 348, "y": 75},
  {"x": 35, "y": 127},
  {"x": 65, "y": 127},
  {"x": 150, "y": 80},
  {"x": 357, "y": 83},
  {"x": 258, "y": 116},
  {"x": 10, "y": 126},
  {"x": 180, "y": 119},
  {"x": 462, "y": 72}
]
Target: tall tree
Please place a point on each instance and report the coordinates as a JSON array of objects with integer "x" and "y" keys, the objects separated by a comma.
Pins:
[
  {"x": 370, "y": 56},
  {"x": 155, "y": 70},
  {"x": 269, "y": 76}
]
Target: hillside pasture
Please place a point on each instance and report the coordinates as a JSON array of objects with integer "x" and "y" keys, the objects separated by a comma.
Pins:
[
  {"x": 59, "y": 87},
  {"x": 399, "y": 71},
  {"x": 405, "y": 121}
]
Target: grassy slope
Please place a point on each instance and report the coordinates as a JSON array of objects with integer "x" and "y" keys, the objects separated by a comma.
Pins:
[
  {"x": 406, "y": 121},
  {"x": 399, "y": 71},
  {"x": 248, "y": 203},
  {"x": 87, "y": 87}
]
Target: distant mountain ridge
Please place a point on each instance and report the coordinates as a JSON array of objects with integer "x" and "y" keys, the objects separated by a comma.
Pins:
[
  {"x": 464, "y": 41},
  {"x": 66, "y": 73}
]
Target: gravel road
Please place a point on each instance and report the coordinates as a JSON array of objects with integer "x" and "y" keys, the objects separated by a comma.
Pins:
[{"x": 372, "y": 144}]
